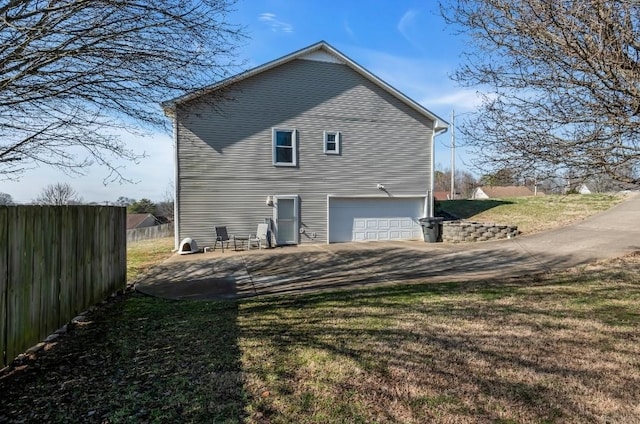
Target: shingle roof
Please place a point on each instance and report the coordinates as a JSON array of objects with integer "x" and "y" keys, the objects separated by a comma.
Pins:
[
  {"x": 135, "y": 219},
  {"x": 507, "y": 191},
  {"x": 441, "y": 195}
]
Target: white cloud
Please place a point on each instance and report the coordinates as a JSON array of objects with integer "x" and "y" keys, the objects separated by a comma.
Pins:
[
  {"x": 416, "y": 77},
  {"x": 461, "y": 100},
  {"x": 425, "y": 80},
  {"x": 405, "y": 23},
  {"x": 348, "y": 29},
  {"x": 276, "y": 25},
  {"x": 406, "y": 26}
]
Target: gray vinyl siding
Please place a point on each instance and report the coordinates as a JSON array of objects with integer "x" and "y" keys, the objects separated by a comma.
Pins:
[{"x": 225, "y": 170}]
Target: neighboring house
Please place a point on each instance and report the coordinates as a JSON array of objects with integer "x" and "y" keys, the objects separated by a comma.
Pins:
[
  {"x": 583, "y": 189},
  {"x": 442, "y": 195},
  {"x": 140, "y": 220},
  {"x": 313, "y": 143},
  {"x": 495, "y": 192}
]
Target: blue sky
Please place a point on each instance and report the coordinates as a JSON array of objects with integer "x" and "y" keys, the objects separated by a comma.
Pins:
[{"x": 404, "y": 42}]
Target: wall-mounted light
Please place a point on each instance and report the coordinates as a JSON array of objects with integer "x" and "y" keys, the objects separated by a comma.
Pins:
[
  {"x": 380, "y": 187},
  {"x": 269, "y": 200}
]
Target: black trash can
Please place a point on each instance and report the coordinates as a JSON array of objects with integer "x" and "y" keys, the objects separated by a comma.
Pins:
[{"x": 432, "y": 229}]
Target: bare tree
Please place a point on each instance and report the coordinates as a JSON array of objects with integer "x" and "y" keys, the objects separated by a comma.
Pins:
[
  {"x": 464, "y": 182},
  {"x": 442, "y": 179},
  {"x": 561, "y": 84},
  {"x": 6, "y": 199},
  {"x": 58, "y": 194},
  {"x": 74, "y": 72},
  {"x": 165, "y": 208},
  {"x": 501, "y": 177},
  {"x": 124, "y": 201}
]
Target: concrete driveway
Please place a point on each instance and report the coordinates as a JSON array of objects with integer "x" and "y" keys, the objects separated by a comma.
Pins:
[{"x": 296, "y": 269}]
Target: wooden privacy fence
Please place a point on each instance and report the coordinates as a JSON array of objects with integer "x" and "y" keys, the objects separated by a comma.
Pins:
[{"x": 55, "y": 261}]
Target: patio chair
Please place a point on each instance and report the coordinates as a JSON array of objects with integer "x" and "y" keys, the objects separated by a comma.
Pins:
[
  {"x": 261, "y": 234},
  {"x": 222, "y": 236}
]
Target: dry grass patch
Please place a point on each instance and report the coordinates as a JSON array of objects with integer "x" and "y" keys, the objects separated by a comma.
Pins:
[
  {"x": 533, "y": 214},
  {"x": 554, "y": 349},
  {"x": 143, "y": 255},
  {"x": 137, "y": 360}
]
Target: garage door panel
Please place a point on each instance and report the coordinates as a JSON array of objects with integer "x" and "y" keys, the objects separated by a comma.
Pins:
[{"x": 358, "y": 219}]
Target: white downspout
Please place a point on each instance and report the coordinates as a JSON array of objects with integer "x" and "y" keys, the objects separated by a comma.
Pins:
[
  {"x": 429, "y": 206},
  {"x": 176, "y": 183}
]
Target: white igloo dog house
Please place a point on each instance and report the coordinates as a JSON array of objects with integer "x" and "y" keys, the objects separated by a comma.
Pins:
[{"x": 188, "y": 246}]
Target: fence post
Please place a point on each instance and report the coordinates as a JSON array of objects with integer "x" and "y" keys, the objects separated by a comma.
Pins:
[{"x": 4, "y": 277}]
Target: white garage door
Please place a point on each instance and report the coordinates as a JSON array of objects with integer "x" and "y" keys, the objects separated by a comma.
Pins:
[{"x": 363, "y": 219}]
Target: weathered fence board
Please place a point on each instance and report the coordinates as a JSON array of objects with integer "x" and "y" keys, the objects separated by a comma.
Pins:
[{"x": 55, "y": 261}]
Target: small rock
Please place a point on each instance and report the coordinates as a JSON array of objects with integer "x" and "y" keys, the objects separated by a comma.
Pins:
[
  {"x": 35, "y": 348},
  {"x": 52, "y": 337},
  {"x": 79, "y": 318},
  {"x": 91, "y": 413},
  {"x": 62, "y": 330}
]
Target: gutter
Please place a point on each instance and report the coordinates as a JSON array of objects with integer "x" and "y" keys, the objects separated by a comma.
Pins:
[{"x": 429, "y": 206}]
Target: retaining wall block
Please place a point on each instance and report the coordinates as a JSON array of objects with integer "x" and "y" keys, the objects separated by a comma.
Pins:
[{"x": 461, "y": 231}]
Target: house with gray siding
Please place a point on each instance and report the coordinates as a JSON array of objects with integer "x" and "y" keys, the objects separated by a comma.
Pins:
[{"x": 312, "y": 143}]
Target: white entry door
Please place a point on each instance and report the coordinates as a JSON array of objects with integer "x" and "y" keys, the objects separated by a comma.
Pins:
[{"x": 285, "y": 215}]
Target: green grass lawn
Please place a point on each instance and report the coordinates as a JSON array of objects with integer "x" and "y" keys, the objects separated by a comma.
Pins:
[
  {"x": 564, "y": 348},
  {"x": 532, "y": 214},
  {"x": 143, "y": 255}
]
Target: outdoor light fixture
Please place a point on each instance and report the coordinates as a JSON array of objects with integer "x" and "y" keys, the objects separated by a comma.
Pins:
[{"x": 380, "y": 187}]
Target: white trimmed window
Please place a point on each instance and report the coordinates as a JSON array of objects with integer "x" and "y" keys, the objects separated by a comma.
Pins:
[
  {"x": 332, "y": 142},
  {"x": 285, "y": 150}
]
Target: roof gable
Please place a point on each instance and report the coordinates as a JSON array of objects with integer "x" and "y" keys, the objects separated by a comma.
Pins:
[
  {"x": 322, "y": 52},
  {"x": 135, "y": 219},
  {"x": 506, "y": 191},
  {"x": 321, "y": 56}
]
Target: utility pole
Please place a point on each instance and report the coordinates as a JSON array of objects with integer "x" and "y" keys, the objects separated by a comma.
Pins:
[{"x": 452, "y": 195}]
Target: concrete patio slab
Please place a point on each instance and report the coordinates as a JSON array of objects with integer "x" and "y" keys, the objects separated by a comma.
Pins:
[{"x": 308, "y": 268}]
